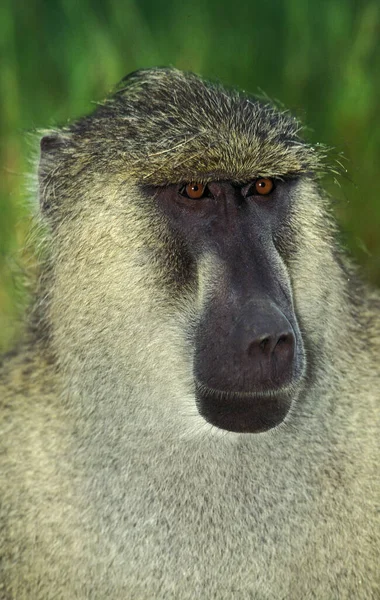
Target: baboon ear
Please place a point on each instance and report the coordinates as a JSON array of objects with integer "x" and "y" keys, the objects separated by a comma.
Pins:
[
  {"x": 51, "y": 142},
  {"x": 51, "y": 146}
]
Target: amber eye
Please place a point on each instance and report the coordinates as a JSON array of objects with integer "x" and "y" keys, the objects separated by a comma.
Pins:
[
  {"x": 264, "y": 186},
  {"x": 195, "y": 190}
]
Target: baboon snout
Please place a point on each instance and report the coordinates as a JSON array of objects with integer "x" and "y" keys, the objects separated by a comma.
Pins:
[
  {"x": 246, "y": 359},
  {"x": 251, "y": 351}
]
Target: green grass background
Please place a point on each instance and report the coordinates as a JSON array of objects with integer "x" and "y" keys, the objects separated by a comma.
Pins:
[{"x": 319, "y": 58}]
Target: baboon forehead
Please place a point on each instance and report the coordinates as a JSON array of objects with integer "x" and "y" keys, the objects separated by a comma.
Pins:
[{"x": 169, "y": 126}]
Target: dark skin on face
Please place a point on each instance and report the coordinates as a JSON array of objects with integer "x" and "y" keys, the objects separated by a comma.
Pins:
[{"x": 249, "y": 358}]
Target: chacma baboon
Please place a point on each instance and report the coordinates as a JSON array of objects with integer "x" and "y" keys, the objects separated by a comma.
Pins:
[{"x": 193, "y": 412}]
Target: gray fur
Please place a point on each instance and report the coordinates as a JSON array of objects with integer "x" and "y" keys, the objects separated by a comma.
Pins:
[{"x": 114, "y": 486}]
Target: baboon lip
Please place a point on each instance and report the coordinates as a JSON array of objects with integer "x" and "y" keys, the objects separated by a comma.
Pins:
[
  {"x": 244, "y": 412},
  {"x": 244, "y": 395}
]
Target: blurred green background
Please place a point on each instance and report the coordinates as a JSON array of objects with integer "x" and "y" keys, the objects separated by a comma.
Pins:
[{"x": 320, "y": 59}]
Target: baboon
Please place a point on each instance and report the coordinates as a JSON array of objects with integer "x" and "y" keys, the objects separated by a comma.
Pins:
[{"x": 193, "y": 409}]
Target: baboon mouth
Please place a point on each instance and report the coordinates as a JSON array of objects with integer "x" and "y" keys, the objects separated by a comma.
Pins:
[{"x": 243, "y": 412}]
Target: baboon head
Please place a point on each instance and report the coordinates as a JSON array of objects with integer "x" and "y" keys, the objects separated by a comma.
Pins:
[{"x": 189, "y": 249}]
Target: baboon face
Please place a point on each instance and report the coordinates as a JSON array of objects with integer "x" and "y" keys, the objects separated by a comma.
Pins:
[
  {"x": 221, "y": 190},
  {"x": 248, "y": 351}
]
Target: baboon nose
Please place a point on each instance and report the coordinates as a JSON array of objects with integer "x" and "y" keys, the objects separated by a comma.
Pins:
[
  {"x": 254, "y": 353},
  {"x": 267, "y": 347}
]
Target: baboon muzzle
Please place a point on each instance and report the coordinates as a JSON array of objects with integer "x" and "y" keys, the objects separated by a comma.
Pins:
[
  {"x": 248, "y": 361},
  {"x": 254, "y": 352}
]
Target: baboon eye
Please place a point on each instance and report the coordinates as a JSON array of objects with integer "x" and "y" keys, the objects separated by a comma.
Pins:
[
  {"x": 194, "y": 190},
  {"x": 264, "y": 186}
]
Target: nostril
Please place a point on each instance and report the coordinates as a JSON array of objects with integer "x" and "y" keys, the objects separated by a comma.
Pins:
[
  {"x": 284, "y": 339},
  {"x": 271, "y": 344},
  {"x": 264, "y": 343},
  {"x": 284, "y": 348}
]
